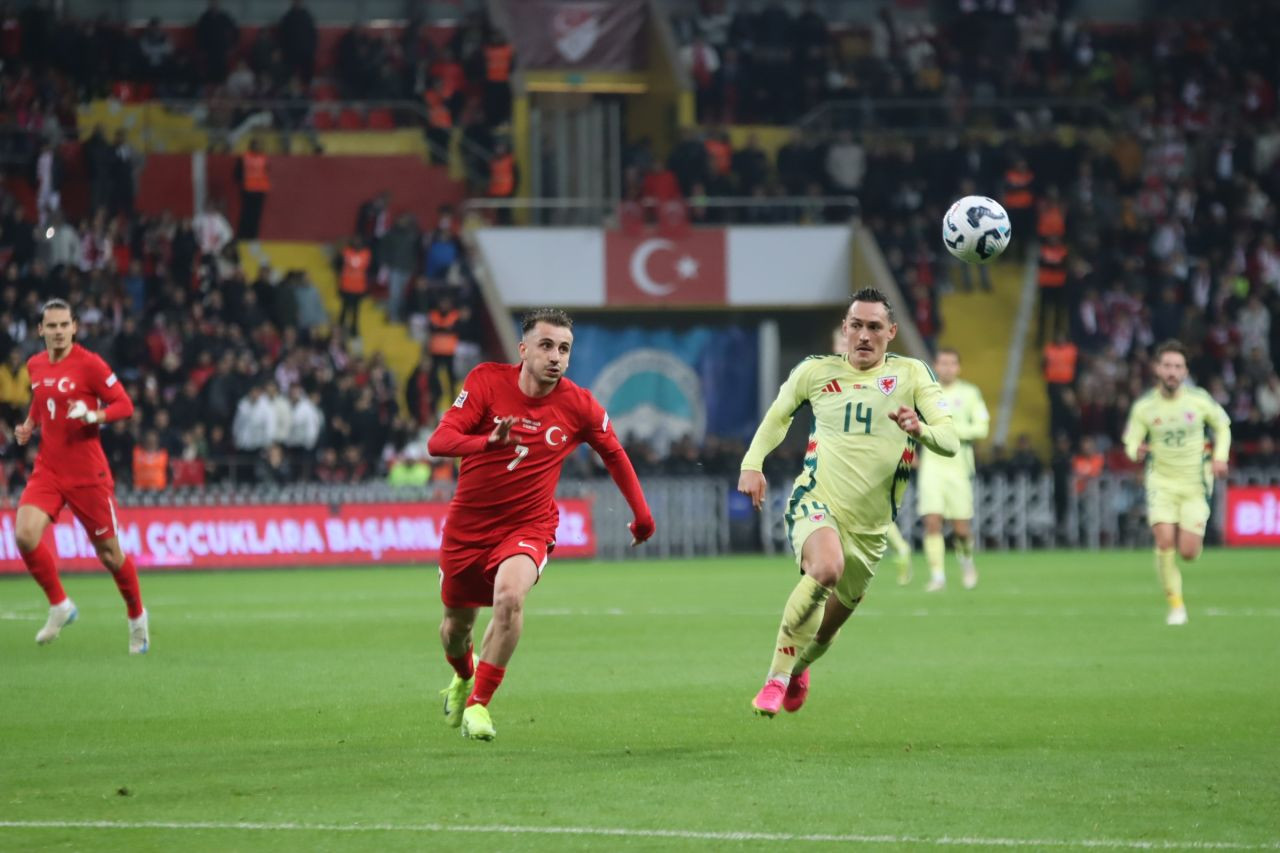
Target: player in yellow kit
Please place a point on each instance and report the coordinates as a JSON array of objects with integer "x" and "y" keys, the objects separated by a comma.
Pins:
[
  {"x": 898, "y": 543},
  {"x": 944, "y": 485},
  {"x": 871, "y": 409},
  {"x": 1166, "y": 430}
]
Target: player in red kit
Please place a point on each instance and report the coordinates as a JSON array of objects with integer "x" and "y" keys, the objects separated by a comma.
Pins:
[
  {"x": 67, "y": 384},
  {"x": 513, "y": 425}
]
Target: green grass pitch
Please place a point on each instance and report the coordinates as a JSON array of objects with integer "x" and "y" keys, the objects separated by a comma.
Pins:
[{"x": 297, "y": 710}]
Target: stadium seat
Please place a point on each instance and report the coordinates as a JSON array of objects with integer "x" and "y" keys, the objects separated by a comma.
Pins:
[
  {"x": 381, "y": 119},
  {"x": 323, "y": 119},
  {"x": 350, "y": 119}
]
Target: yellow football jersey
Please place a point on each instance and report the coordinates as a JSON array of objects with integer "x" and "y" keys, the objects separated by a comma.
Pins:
[
  {"x": 858, "y": 461},
  {"x": 972, "y": 423},
  {"x": 1174, "y": 431}
]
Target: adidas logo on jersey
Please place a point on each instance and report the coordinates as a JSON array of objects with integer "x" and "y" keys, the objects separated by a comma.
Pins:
[{"x": 832, "y": 387}]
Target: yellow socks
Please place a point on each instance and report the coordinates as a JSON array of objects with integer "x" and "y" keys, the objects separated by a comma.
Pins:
[
  {"x": 811, "y": 653},
  {"x": 935, "y": 554},
  {"x": 1170, "y": 577},
  {"x": 964, "y": 550},
  {"x": 800, "y": 620}
]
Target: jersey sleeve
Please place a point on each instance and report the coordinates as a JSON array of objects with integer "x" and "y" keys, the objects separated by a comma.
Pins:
[
  {"x": 938, "y": 431},
  {"x": 1135, "y": 431},
  {"x": 106, "y": 386},
  {"x": 793, "y": 394},
  {"x": 457, "y": 433},
  {"x": 1220, "y": 422},
  {"x": 596, "y": 430}
]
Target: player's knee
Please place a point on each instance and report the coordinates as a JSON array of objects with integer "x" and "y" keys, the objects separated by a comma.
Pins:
[
  {"x": 825, "y": 571},
  {"x": 507, "y": 604},
  {"x": 1188, "y": 552},
  {"x": 111, "y": 559},
  {"x": 28, "y": 538}
]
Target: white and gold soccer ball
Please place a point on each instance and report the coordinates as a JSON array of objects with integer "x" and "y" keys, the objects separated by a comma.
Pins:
[{"x": 976, "y": 229}]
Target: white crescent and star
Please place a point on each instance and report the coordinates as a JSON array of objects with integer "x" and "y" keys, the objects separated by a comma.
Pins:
[
  {"x": 686, "y": 267},
  {"x": 551, "y": 441},
  {"x": 62, "y": 384}
]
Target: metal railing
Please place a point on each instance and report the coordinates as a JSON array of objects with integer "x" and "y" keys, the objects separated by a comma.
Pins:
[
  {"x": 722, "y": 210},
  {"x": 929, "y": 117}
]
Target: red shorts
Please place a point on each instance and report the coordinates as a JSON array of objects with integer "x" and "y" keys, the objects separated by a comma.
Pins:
[
  {"x": 93, "y": 504},
  {"x": 467, "y": 574}
]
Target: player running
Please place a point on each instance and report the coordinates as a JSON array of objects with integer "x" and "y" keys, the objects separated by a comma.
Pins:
[
  {"x": 870, "y": 412},
  {"x": 513, "y": 425},
  {"x": 67, "y": 384},
  {"x": 1166, "y": 429},
  {"x": 944, "y": 486},
  {"x": 898, "y": 543}
]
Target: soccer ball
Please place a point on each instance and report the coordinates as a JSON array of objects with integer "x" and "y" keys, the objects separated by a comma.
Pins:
[{"x": 976, "y": 229}]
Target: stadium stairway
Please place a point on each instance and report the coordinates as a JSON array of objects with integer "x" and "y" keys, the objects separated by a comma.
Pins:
[
  {"x": 978, "y": 325},
  {"x": 399, "y": 349}
]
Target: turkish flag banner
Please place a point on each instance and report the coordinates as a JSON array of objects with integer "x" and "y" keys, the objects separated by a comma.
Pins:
[{"x": 656, "y": 269}]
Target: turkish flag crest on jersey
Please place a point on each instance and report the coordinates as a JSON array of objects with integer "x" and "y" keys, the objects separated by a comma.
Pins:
[{"x": 648, "y": 269}]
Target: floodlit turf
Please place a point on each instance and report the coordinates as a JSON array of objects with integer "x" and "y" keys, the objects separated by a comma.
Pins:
[{"x": 1051, "y": 706}]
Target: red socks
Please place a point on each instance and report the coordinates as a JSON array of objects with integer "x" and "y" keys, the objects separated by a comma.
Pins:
[
  {"x": 127, "y": 582},
  {"x": 464, "y": 666},
  {"x": 488, "y": 677},
  {"x": 45, "y": 571}
]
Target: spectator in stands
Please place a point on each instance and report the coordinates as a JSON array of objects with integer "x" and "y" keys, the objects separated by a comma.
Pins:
[
  {"x": 157, "y": 52},
  {"x": 150, "y": 464},
  {"x": 410, "y": 469},
  {"x": 254, "y": 424},
  {"x": 702, "y": 62},
  {"x": 846, "y": 165},
  {"x": 48, "y": 182},
  {"x": 422, "y": 390},
  {"x": 445, "y": 320},
  {"x": 58, "y": 244},
  {"x": 212, "y": 231},
  {"x": 253, "y": 177},
  {"x": 1024, "y": 461},
  {"x": 305, "y": 421},
  {"x": 439, "y": 120},
  {"x": 398, "y": 253},
  {"x": 1087, "y": 464},
  {"x": 298, "y": 36},
  {"x": 441, "y": 248},
  {"x": 98, "y": 163},
  {"x": 353, "y": 283},
  {"x": 373, "y": 219},
  {"x": 499, "y": 61},
  {"x": 311, "y": 313},
  {"x": 272, "y": 468},
  {"x": 504, "y": 179},
  {"x": 216, "y": 35},
  {"x": 750, "y": 166},
  {"x": 1059, "y": 365},
  {"x": 1055, "y": 301}
]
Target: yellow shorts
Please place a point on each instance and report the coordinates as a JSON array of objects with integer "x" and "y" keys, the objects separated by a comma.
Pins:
[
  {"x": 1184, "y": 504},
  {"x": 862, "y": 551},
  {"x": 945, "y": 493}
]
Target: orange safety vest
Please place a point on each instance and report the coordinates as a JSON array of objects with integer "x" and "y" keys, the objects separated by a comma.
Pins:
[
  {"x": 1053, "y": 266},
  {"x": 497, "y": 61},
  {"x": 1086, "y": 468},
  {"x": 502, "y": 176},
  {"x": 355, "y": 270},
  {"x": 444, "y": 334},
  {"x": 1051, "y": 221},
  {"x": 150, "y": 468},
  {"x": 1060, "y": 363},
  {"x": 255, "y": 172},
  {"x": 1017, "y": 193},
  {"x": 437, "y": 113},
  {"x": 721, "y": 156}
]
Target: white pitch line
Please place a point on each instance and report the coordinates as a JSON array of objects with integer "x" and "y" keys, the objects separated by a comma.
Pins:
[{"x": 620, "y": 832}]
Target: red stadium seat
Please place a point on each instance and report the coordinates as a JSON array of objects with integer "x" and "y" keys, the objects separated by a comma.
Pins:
[
  {"x": 323, "y": 119},
  {"x": 381, "y": 119},
  {"x": 350, "y": 119},
  {"x": 324, "y": 92}
]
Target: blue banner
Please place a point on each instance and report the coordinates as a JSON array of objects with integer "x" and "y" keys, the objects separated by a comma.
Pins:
[{"x": 659, "y": 385}]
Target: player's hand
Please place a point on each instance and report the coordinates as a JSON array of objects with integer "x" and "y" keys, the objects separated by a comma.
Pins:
[
  {"x": 1220, "y": 468},
  {"x": 641, "y": 529},
  {"x": 752, "y": 484},
  {"x": 1143, "y": 449},
  {"x": 501, "y": 435},
  {"x": 908, "y": 421},
  {"x": 22, "y": 432},
  {"x": 80, "y": 411}
]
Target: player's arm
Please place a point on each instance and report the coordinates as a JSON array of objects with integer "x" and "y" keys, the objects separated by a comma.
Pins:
[
  {"x": 599, "y": 433},
  {"x": 108, "y": 389},
  {"x": 1135, "y": 435},
  {"x": 461, "y": 432},
  {"x": 773, "y": 428},
  {"x": 978, "y": 425},
  {"x": 22, "y": 432},
  {"x": 1220, "y": 422},
  {"x": 929, "y": 423}
]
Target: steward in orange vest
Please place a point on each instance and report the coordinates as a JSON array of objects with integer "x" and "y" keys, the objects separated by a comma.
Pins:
[
  {"x": 1060, "y": 362},
  {"x": 503, "y": 179},
  {"x": 499, "y": 59},
  {"x": 353, "y": 283},
  {"x": 255, "y": 183},
  {"x": 439, "y": 122},
  {"x": 150, "y": 466}
]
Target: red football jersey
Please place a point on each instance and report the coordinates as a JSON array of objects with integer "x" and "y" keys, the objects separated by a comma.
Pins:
[
  {"x": 500, "y": 488},
  {"x": 70, "y": 450}
]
